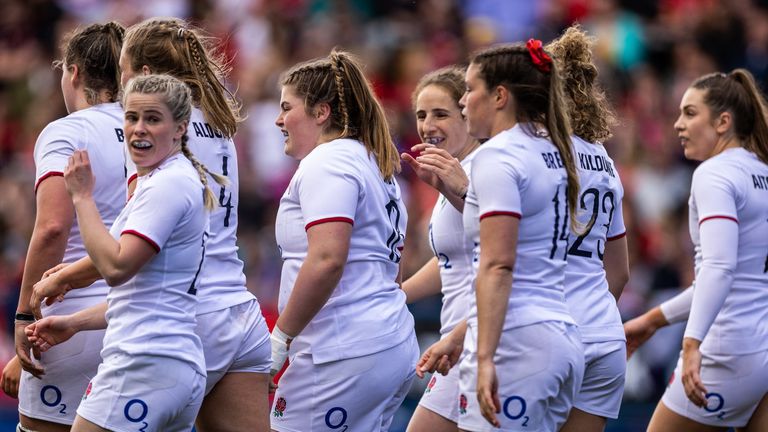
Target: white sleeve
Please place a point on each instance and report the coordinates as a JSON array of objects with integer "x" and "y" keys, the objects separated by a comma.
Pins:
[
  {"x": 497, "y": 184},
  {"x": 56, "y": 143},
  {"x": 328, "y": 190},
  {"x": 715, "y": 199},
  {"x": 678, "y": 307},
  {"x": 719, "y": 247},
  {"x": 159, "y": 208},
  {"x": 617, "y": 229}
]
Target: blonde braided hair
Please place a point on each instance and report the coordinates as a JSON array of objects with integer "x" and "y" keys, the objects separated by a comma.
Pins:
[{"x": 340, "y": 91}]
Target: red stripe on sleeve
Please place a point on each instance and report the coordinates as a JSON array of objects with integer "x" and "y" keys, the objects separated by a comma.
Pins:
[
  {"x": 143, "y": 237},
  {"x": 500, "y": 213},
  {"x": 718, "y": 217},
  {"x": 326, "y": 220},
  {"x": 46, "y": 175},
  {"x": 616, "y": 237}
]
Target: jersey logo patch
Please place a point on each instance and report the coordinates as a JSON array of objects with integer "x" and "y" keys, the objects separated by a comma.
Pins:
[
  {"x": 431, "y": 384},
  {"x": 463, "y": 402},
  {"x": 280, "y": 407}
]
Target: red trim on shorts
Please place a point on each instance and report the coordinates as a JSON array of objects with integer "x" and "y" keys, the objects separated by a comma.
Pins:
[
  {"x": 500, "y": 213},
  {"x": 46, "y": 175},
  {"x": 616, "y": 237},
  {"x": 718, "y": 217},
  {"x": 133, "y": 177},
  {"x": 330, "y": 219},
  {"x": 143, "y": 237}
]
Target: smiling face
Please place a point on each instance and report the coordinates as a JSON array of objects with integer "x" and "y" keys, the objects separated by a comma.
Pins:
[
  {"x": 151, "y": 133},
  {"x": 696, "y": 126},
  {"x": 300, "y": 129},
  {"x": 439, "y": 120},
  {"x": 478, "y": 104}
]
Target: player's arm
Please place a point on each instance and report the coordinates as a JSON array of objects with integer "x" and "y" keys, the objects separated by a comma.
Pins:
[
  {"x": 328, "y": 247},
  {"x": 498, "y": 235},
  {"x": 53, "y": 222},
  {"x": 56, "y": 329},
  {"x": 424, "y": 283},
  {"x": 616, "y": 264}
]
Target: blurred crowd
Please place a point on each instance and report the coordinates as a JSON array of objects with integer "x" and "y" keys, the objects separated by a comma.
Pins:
[{"x": 648, "y": 53}]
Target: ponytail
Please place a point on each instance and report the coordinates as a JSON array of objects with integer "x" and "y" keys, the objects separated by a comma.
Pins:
[
  {"x": 559, "y": 132},
  {"x": 209, "y": 199},
  {"x": 757, "y": 141}
]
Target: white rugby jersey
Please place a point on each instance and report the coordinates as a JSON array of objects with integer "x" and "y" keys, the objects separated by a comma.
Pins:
[
  {"x": 732, "y": 185},
  {"x": 454, "y": 257},
  {"x": 519, "y": 174},
  {"x": 586, "y": 288},
  {"x": 366, "y": 313},
  {"x": 154, "y": 312},
  {"x": 99, "y": 130},
  {"x": 222, "y": 281}
]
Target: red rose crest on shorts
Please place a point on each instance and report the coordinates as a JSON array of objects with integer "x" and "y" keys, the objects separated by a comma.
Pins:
[
  {"x": 87, "y": 391},
  {"x": 279, "y": 407},
  {"x": 463, "y": 404},
  {"x": 431, "y": 384}
]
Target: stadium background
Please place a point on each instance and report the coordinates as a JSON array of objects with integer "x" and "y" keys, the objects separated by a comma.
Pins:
[{"x": 648, "y": 52}]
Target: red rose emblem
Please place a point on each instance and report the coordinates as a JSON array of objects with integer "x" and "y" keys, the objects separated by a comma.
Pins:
[
  {"x": 431, "y": 384},
  {"x": 463, "y": 402},
  {"x": 279, "y": 407}
]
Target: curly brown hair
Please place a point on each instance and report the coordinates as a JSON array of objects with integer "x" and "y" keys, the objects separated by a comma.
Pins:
[{"x": 591, "y": 115}]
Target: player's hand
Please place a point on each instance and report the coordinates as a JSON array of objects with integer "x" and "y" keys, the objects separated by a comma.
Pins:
[
  {"x": 55, "y": 269},
  {"x": 281, "y": 343},
  {"x": 24, "y": 347},
  {"x": 50, "y": 331},
  {"x": 440, "y": 357},
  {"x": 694, "y": 387},
  {"x": 638, "y": 331},
  {"x": 437, "y": 168},
  {"x": 488, "y": 392},
  {"x": 78, "y": 176},
  {"x": 50, "y": 289},
  {"x": 11, "y": 377}
]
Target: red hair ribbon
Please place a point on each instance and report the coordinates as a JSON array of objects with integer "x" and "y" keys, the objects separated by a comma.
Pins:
[{"x": 541, "y": 59}]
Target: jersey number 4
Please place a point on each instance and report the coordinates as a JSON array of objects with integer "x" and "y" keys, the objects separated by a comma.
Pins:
[{"x": 395, "y": 237}]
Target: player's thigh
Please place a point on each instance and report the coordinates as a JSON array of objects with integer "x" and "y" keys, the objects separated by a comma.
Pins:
[
  {"x": 441, "y": 400},
  {"x": 666, "y": 420},
  {"x": 238, "y": 402},
  {"x": 426, "y": 420},
  {"x": 759, "y": 420}
]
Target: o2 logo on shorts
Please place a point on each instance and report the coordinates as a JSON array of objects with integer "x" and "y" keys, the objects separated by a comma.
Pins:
[
  {"x": 136, "y": 411},
  {"x": 50, "y": 395},
  {"x": 514, "y": 408},
  {"x": 335, "y": 418},
  {"x": 715, "y": 403}
]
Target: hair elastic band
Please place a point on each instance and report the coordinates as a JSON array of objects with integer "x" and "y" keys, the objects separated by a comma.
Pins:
[{"x": 540, "y": 58}]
